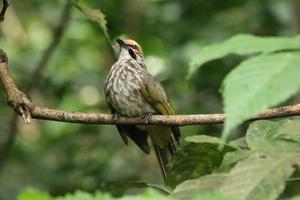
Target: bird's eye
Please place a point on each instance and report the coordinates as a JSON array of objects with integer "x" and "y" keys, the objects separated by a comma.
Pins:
[{"x": 134, "y": 46}]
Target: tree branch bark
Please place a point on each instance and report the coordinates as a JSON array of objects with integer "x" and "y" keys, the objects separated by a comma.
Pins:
[
  {"x": 180, "y": 120},
  {"x": 17, "y": 99},
  {"x": 4, "y": 8}
]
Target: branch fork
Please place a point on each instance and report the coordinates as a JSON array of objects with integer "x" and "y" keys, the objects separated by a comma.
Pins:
[
  {"x": 22, "y": 104},
  {"x": 18, "y": 100}
]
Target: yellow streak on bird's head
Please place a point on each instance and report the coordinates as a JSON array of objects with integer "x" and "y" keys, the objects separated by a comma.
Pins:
[{"x": 134, "y": 46}]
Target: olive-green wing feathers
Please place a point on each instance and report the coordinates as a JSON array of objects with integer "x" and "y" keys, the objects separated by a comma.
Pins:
[{"x": 155, "y": 94}]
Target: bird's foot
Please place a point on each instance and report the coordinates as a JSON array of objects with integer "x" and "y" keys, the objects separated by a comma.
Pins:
[
  {"x": 147, "y": 117},
  {"x": 115, "y": 117}
]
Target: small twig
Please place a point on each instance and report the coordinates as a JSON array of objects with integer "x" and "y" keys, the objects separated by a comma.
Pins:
[
  {"x": 4, "y": 8},
  {"x": 293, "y": 179}
]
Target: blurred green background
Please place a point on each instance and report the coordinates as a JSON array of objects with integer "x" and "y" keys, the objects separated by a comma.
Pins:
[{"x": 63, "y": 157}]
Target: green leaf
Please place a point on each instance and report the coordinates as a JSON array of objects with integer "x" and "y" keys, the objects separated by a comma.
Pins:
[
  {"x": 94, "y": 15},
  {"x": 149, "y": 194},
  {"x": 242, "y": 45},
  {"x": 119, "y": 188},
  {"x": 33, "y": 194},
  {"x": 198, "y": 157},
  {"x": 209, "y": 140},
  {"x": 283, "y": 135},
  {"x": 212, "y": 196},
  {"x": 295, "y": 198},
  {"x": 79, "y": 195},
  {"x": 261, "y": 176},
  {"x": 231, "y": 158},
  {"x": 190, "y": 188},
  {"x": 257, "y": 84},
  {"x": 240, "y": 142}
]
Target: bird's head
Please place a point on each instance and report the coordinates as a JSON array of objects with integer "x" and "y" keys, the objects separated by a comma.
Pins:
[{"x": 130, "y": 47}]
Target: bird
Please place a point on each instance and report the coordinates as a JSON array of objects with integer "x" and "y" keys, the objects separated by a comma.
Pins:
[{"x": 131, "y": 91}]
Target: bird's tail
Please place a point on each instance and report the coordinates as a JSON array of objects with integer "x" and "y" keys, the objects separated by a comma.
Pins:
[{"x": 164, "y": 155}]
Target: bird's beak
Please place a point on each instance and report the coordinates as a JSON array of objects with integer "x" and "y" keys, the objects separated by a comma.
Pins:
[
  {"x": 125, "y": 46},
  {"x": 121, "y": 43}
]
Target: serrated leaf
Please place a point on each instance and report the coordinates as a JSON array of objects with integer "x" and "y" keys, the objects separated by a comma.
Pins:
[
  {"x": 209, "y": 140},
  {"x": 190, "y": 188},
  {"x": 199, "y": 157},
  {"x": 203, "y": 139},
  {"x": 242, "y": 45},
  {"x": 283, "y": 135},
  {"x": 94, "y": 15},
  {"x": 240, "y": 142},
  {"x": 261, "y": 176},
  {"x": 257, "y": 84}
]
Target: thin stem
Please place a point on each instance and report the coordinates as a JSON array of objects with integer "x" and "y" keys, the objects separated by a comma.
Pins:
[{"x": 4, "y": 8}]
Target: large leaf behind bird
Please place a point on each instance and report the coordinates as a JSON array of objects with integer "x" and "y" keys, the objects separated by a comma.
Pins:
[
  {"x": 279, "y": 136},
  {"x": 258, "y": 83},
  {"x": 261, "y": 176},
  {"x": 198, "y": 156},
  {"x": 94, "y": 15},
  {"x": 205, "y": 184},
  {"x": 242, "y": 44}
]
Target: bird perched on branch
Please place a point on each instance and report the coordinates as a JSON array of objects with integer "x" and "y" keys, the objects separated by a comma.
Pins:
[{"x": 132, "y": 91}]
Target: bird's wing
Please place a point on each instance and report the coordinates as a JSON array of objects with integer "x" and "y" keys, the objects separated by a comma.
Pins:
[
  {"x": 139, "y": 137},
  {"x": 155, "y": 94}
]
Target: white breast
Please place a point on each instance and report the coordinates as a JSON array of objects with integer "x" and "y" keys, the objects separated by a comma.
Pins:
[{"x": 123, "y": 89}]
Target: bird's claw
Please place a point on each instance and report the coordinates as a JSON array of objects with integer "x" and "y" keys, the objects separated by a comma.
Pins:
[
  {"x": 25, "y": 113},
  {"x": 115, "y": 117},
  {"x": 147, "y": 117}
]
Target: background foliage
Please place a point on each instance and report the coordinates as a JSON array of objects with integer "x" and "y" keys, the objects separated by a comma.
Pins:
[{"x": 61, "y": 158}]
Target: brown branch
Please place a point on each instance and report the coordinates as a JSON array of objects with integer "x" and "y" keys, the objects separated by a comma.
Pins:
[
  {"x": 4, "y": 8},
  {"x": 181, "y": 120},
  {"x": 99, "y": 118},
  {"x": 18, "y": 98},
  {"x": 15, "y": 98}
]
